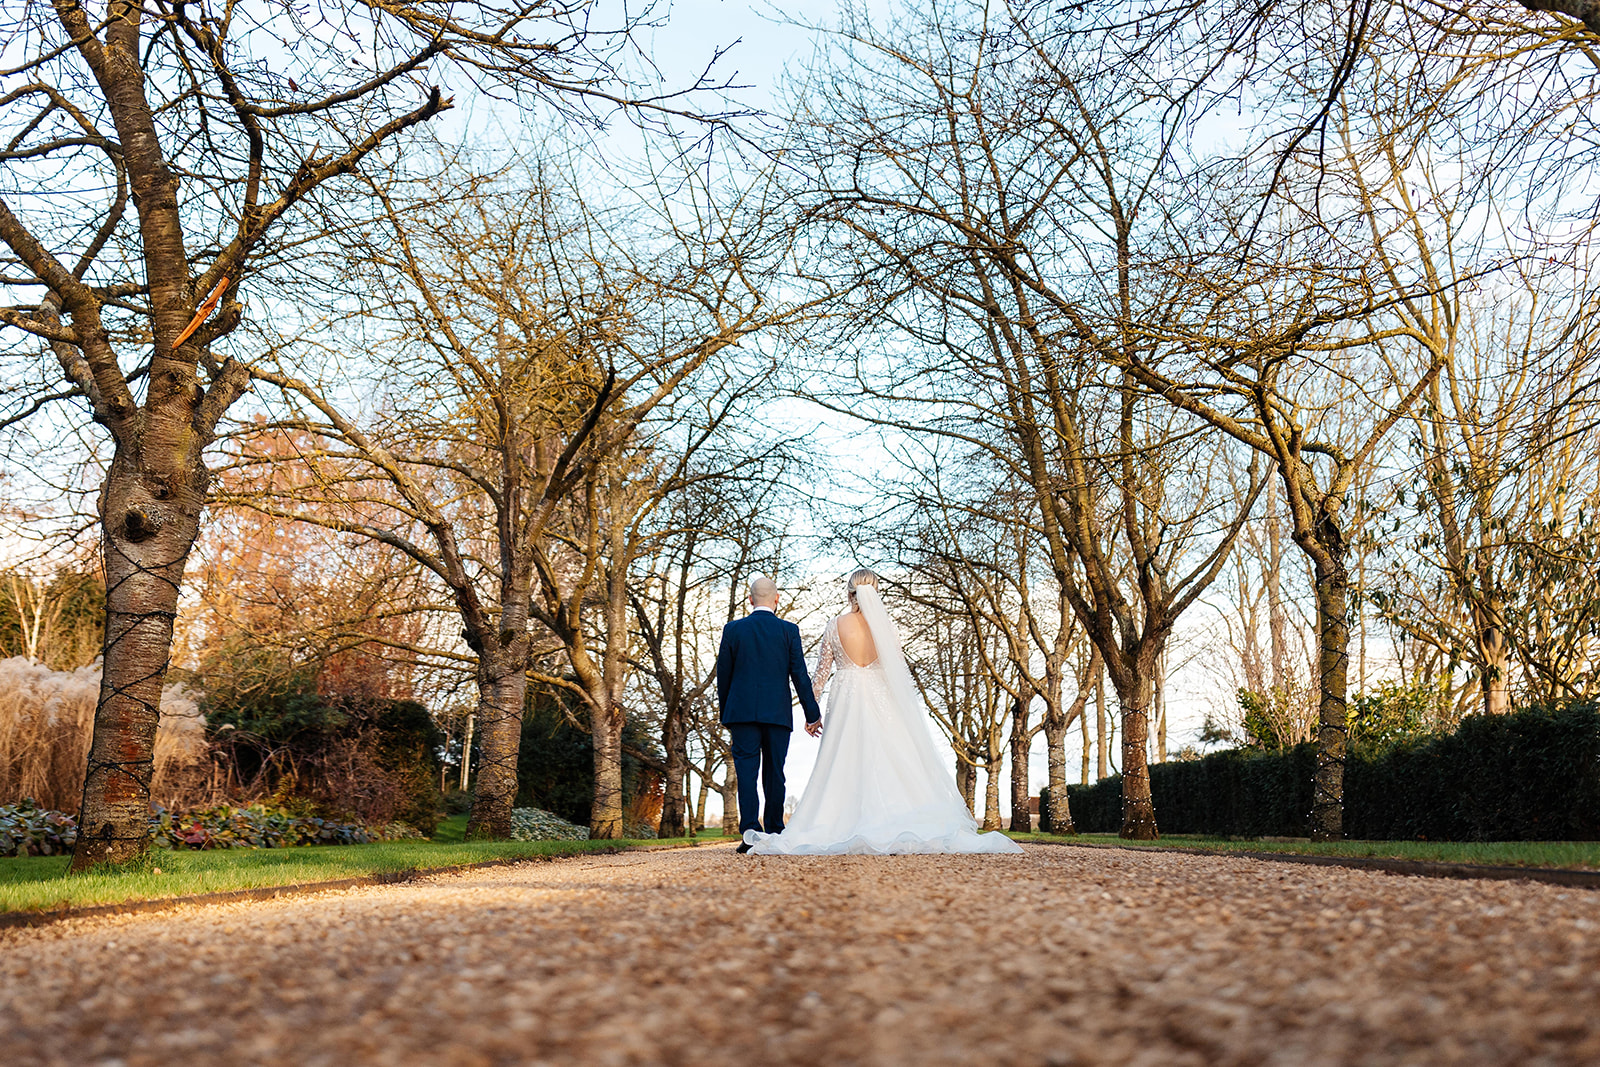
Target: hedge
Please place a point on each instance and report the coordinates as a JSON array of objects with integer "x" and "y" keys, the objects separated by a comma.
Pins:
[{"x": 1532, "y": 775}]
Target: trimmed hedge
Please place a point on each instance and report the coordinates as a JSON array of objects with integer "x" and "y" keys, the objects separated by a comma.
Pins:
[{"x": 1533, "y": 775}]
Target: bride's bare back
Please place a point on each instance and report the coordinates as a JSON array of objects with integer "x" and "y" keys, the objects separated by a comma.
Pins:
[{"x": 856, "y": 639}]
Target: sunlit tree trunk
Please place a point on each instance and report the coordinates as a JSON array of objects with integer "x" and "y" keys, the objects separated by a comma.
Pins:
[
  {"x": 1088, "y": 751},
  {"x": 730, "y": 801},
  {"x": 1138, "y": 806},
  {"x": 150, "y": 516},
  {"x": 991, "y": 792},
  {"x": 1161, "y": 710},
  {"x": 1494, "y": 653},
  {"x": 502, "y": 698},
  {"x": 1100, "y": 770}
]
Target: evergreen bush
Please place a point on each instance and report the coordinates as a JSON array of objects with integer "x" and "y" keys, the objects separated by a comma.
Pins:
[
  {"x": 555, "y": 763},
  {"x": 1532, "y": 775}
]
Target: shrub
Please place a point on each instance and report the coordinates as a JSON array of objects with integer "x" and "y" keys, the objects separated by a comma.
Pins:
[
  {"x": 367, "y": 759},
  {"x": 29, "y": 830},
  {"x": 256, "y": 826},
  {"x": 555, "y": 765},
  {"x": 456, "y": 802},
  {"x": 1530, "y": 775},
  {"x": 397, "y": 831},
  {"x": 532, "y": 824}
]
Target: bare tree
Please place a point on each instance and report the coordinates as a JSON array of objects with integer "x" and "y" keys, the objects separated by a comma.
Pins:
[
  {"x": 207, "y": 154},
  {"x": 990, "y": 198},
  {"x": 531, "y": 343},
  {"x": 985, "y": 550},
  {"x": 708, "y": 538}
]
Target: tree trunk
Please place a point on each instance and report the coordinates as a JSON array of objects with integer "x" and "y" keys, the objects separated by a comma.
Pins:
[
  {"x": 1161, "y": 710},
  {"x": 1021, "y": 743},
  {"x": 1494, "y": 657},
  {"x": 730, "y": 801},
  {"x": 502, "y": 696},
  {"x": 1056, "y": 728},
  {"x": 606, "y": 720},
  {"x": 675, "y": 743},
  {"x": 991, "y": 794},
  {"x": 1277, "y": 617},
  {"x": 149, "y": 520},
  {"x": 605, "y": 725},
  {"x": 700, "y": 806},
  {"x": 1138, "y": 807},
  {"x": 1083, "y": 731},
  {"x": 1100, "y": 727},
  {"x": 967, "y": 782},
  {"x": 1333, "y": 662}
]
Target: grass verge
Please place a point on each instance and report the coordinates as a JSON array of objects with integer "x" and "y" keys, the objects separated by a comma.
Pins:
[
  {"x": 35, "y": 883},
  {"x": 1556, "y": 854}
]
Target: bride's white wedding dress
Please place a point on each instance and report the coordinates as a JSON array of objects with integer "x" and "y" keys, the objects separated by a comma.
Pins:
[{"x": 880, "y": 785}]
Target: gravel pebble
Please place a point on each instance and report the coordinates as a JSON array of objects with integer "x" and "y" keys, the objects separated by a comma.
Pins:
[{"x": 701, "y": 956}]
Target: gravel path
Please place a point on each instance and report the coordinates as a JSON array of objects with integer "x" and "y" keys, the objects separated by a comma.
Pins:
[{"x": 700, "y": 956}]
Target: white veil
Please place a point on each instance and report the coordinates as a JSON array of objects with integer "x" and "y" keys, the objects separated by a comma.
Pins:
[{"x": 907, "y": 701}]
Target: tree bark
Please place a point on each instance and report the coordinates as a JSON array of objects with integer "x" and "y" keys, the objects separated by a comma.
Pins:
[
  {"x": 605, "y": 724},
  {"x": 730, "y": 801},
  {"x": 1333, "y": 662},
  {"x": 1083, "y": 731},
  {"x": 502, "y": 697},
  {"x": 1138, "y": 807},
  {"x": 1494, "y": 655},
  {"x": 675, "y": 742},
  {"x": 1585, "y": 11},
  {"x": 991, "y": 794},
  {"x": 966, "y": 783},
  {"x": 1055, "y": 735},
  {"x": 1021, "y": 743},
  {"x": 1161, "y": 710},
  {"x": 606, "y": 817},
  {"x": 1100, "y": 727},
  {"x": 150, "y": 516}
]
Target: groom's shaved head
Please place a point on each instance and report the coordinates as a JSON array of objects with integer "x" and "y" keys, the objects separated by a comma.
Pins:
[{"x": 763, "y": 591}]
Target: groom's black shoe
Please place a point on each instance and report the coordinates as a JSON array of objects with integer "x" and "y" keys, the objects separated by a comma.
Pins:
[{"x": 744, "y": 846}]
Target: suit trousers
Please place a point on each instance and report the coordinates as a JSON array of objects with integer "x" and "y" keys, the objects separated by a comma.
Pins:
[{"x": 759, "y": 747}]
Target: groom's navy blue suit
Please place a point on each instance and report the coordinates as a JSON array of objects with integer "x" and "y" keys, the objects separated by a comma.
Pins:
[{"x": 759, "y": 656}]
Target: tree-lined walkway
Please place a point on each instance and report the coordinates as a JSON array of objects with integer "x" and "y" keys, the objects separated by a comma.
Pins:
[{"x": 702, "y": 956}]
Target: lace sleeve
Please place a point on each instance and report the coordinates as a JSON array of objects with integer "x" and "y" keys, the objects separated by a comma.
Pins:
[{"x": 824, "y": 667}]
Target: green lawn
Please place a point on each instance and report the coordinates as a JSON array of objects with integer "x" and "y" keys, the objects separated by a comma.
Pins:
[
  {"x": 40, "y": 882},
  {"x": 1572, "y": 854}
]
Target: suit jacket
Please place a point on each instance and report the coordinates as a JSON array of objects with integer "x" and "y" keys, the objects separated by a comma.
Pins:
[{"x": 759, "y": 656}]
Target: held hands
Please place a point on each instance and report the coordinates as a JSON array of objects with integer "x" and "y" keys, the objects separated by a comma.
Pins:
[{"x": 814, "y": 728}]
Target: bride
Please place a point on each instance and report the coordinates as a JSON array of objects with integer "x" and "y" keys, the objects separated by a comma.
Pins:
[{"x": 880, "y": 784}]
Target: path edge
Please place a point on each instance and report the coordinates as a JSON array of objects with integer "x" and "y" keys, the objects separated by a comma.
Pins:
[
  {"x": 1567, "y": 876},
  {"x": 24, "y": 919}
]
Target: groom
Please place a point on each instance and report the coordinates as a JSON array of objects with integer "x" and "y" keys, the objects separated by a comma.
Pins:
[{"x": 759, "y": 656}]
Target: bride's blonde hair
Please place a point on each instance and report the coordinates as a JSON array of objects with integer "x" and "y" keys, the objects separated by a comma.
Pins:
[{"x": 863, "y": 576}]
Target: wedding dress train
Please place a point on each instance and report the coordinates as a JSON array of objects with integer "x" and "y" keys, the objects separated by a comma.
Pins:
[{"x": 880, "y": 785}]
